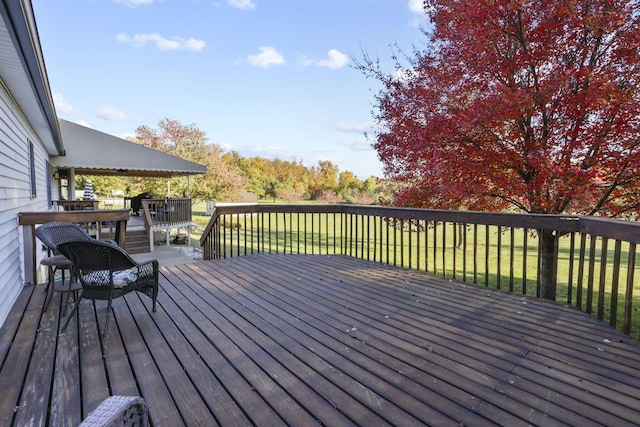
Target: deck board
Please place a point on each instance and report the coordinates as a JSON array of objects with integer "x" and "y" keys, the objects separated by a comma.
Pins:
[{"x": 318, "y": 340}]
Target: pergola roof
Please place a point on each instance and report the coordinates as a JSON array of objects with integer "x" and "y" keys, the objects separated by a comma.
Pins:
[{"x": 91, "y": 152}]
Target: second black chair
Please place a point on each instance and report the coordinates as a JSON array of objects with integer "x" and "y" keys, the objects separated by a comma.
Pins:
[{"x": 106, "y": 271}]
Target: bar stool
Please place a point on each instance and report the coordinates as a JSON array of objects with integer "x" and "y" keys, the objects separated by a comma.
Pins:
[
  {"x": 60, "y": 263},
  {"x": 52, "y": 234}
]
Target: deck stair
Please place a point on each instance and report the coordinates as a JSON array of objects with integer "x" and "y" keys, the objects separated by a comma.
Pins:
[{"x": 137, "y": 241}]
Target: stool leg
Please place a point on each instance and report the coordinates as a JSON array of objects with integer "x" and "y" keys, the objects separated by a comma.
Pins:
[
  {"x": 66, "y": 304},
  {"x": 51, "y": 282}
]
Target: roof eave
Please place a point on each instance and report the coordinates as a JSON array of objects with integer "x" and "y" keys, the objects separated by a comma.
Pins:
[{"x": 38, "y": 104}]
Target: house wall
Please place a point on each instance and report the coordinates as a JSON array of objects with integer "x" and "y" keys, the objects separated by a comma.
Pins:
[{"x": 15, "y": 196}]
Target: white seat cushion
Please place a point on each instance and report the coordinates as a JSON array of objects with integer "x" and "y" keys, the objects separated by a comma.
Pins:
[{"x": 120, "y": 278}]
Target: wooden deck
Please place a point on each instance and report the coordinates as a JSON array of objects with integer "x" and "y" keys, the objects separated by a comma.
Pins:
[{"x": 313, "y": 340}]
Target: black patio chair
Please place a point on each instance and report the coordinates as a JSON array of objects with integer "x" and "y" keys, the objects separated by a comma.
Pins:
[{"x": 106, "y": 271}]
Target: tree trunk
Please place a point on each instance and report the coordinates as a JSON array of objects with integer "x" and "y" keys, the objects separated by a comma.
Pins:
[{"x": 548, "y": 264}]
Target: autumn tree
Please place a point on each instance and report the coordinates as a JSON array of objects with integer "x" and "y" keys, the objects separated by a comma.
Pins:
[
  {"x": 189, "y": 142},
  {"x": 347, "y": 180},
  {"x": 531, "y": 105},
  {"x": 324, "y": 177}
]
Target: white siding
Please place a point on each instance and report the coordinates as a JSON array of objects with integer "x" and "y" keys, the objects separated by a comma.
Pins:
[{"x": 15, "y": 197}]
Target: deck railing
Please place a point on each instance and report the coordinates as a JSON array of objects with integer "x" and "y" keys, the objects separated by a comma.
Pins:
[
  {"x": 165, "y": 215},
  {"x": 166, "y": 212},
  {"x": 77, "y": 205},
  {"x": 99, "y": 223},
  {"x": 594, "y": 267}
]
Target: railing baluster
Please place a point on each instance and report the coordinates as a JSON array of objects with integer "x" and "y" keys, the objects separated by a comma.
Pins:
[
  {"x": 628, "y": 297},
  {"x": 386, "y": 226},
  {"x": 475, "y": 253},
  {"x": 298, "y": 231},
  {"x": 326, "y": 219},
  {"x": 486, "y": 255},
  {"x": 499, "y": 259},
  {"x": 269, "y": 233},
  {"x": 284, "y": 232},
  {"x": 512, "y": 246},
  {"x": 464, "y": 252},
  {"x": 394, "y": 230},
  {"x": 572, "y": 244},
  {"x": 525, "y": 251},
  {"x": 435, "y": 248},
  {"x": 367, "y": 237},
  {"x": 418, "y": 251},
  {"x": 402, "y": 260},
  {"x": 237, "y": 227},
  {"x": 224, "y": 236},
  {"x": 603, "y": 277},
  {"x": 538, "y": 284},
  {"x": 615, "y": 283},
  {"x": 253, "y": 232},
  {"x": 454, "y": 247},
  {"x": 592, "y": 262},
  {"x": 444, "y": 249},
  {"x": 244, "y": 220},
  {"x": 313, "y": 229}
]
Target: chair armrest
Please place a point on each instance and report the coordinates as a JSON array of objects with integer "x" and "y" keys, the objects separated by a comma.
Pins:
[
  {"x": 118, "y": 411},
  {"x": 146, "y": 261},
  {"x": 148, "y": 267},
  {"x": 109, "y": 241}
]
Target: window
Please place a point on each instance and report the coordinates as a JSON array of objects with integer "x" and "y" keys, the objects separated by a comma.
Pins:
[
  {"x": 63, "y": 184},
  {"x": 32, "y": 169}
]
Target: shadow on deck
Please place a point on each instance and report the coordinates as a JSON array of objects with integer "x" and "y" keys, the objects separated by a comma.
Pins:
[{"x": 313, "y": 339}]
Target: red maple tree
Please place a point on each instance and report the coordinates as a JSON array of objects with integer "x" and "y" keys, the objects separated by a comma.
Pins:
[{"x": 532, "y": 105}]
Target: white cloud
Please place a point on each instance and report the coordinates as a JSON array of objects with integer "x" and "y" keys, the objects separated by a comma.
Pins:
[
  {"x": 267, "y": 57},
  {"x": 335, "y": 60},
  {"x": 416, "y": 6},
  {"x": 360, "y": 145},
  {"x": 133, "y": 3},
  {"x": 269, "y": 152},
  {"x": 305, "y": 61},
  {"x": 354, "y": 127},
  {"x": 226, "y": 146},
  {"x": 127, "y": 135},
  {"x": 112, "y": 113},
  {"x": 242, "y": 4},
  {"x": 177, "y": 43},
  {"x": 61, "y": 105}
]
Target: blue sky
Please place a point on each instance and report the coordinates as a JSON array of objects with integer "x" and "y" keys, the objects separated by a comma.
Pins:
[{"x": 268, "y": 78}]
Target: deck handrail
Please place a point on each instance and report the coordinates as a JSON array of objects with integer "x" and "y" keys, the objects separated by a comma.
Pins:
[
  {"x": 111, "y": 223},
  {"x": 499, "y": 250},
  {"x": 77, "y": 205},
  {"x": 167, "y": 212}
]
